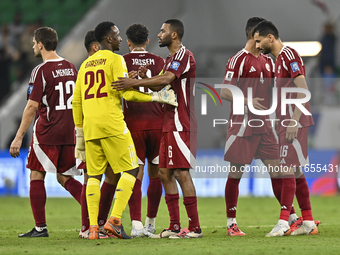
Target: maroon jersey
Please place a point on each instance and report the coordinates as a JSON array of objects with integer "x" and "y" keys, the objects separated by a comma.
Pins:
[
  {"x": 143, "y": 116},
  {"x": 183, "y": 118},
  {"x": 288, "y": 66},
  {"x": 51, "y": 85},
  {"x": 244, "y": 70}
]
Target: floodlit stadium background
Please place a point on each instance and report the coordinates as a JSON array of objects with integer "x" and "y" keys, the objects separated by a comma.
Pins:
[{"x": 214, "y": 31}]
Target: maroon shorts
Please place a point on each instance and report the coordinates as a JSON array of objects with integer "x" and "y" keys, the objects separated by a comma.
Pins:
[
  {"x": 52, "y": 158},
  {"x": 81, "y": 164},
  {"x": 242, "y": 150},
  {"x": 294, "y": 153},
  {"x": 178, "y": 150},
  {"x": 147, "y": 144}
]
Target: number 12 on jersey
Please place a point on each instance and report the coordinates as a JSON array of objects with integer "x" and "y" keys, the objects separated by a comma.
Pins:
[{"x": 69, "y": 87}]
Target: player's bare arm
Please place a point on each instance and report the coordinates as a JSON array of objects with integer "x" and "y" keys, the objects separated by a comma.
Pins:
[
  {"x": 160, "y": 80},
  {"x": 293, "y": 128},
  {"x": 27, "y": 118},
  {"x": 227, "y": 95}
]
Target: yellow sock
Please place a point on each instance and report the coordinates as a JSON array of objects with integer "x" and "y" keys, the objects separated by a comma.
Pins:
[
  {"x": 123, "y": 193},
  {"x": 93, "y": 198}
]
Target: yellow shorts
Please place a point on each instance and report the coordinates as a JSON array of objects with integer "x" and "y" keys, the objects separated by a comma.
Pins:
[{"x": 119, "y": 151}]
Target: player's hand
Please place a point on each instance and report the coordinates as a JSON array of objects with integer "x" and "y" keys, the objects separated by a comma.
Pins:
[
  {"x": 142, "y": 71},
  {"x": 133, "y": 74},
  {"x": 166, "y": 96},
  {"x": 122, "y": 83},
  {"x": 14, "y": 149},
  {"x": 257, "y": 105},
  {"x": 291, "y": 132},
  {"x": 79, "y": 151}
]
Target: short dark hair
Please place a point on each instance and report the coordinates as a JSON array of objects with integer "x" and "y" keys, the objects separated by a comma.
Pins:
[
  {"x": 102, "y": 29},
  {"x": 251, "y": 23},
  {"x": 47, "y": 36},
  {"x": 89, "y": 40},
  {"x": 137, "y": 34},
  {"x": 265, "y": 28},
  {"x": 176, "y": 26}
]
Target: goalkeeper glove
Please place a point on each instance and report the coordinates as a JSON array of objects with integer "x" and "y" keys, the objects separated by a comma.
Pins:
[
  {"x": 79, "y": 151},
  {"x": 166, "y": 95}
]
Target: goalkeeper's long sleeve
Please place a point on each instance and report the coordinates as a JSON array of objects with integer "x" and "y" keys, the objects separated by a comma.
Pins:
[{"x": 136, "y": 96}]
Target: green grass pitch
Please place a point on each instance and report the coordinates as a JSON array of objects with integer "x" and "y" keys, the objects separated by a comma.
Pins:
[{"x": 255, "y": 216}]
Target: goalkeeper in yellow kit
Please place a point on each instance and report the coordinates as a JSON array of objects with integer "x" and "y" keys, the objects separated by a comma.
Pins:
[{"x": 100, "y": 127}]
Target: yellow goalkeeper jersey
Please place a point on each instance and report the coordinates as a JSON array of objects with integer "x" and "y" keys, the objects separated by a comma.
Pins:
[{"x": 96, "y": 106}]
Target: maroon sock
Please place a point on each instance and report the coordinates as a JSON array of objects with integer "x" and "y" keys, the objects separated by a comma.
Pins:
[
  {"x": 154, "y": 196},
  {"x": 173, "y": 208},
  {"x": 135, "y": 202},
  {"x": 277, "y": 187},
  {"x": 302, "y": 196},
  {"x": 38, "y": 201},
  {"x": 75, "y": 188},
  {"x": 287, "y": 196},
  {"x": 231, "y": 196},
  {"x": 191, "y": 207},
  {"x": 106, "y": 197},
  {"x": 85, "y": 222}
]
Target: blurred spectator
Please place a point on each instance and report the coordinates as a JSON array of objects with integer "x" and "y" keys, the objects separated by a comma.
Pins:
[
  {"x": 328, "y": 52},
  {"x": 27, "y": 60},
  {"x": 16, "y": 28},
  {"x": 329, "y": 81},
  {"x": 327, "y": 64},
  {"x": 8, "y": 54}
]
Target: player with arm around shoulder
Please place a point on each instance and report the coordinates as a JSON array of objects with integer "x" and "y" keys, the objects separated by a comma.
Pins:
[
  {"x": 177, "y": 152},
  {"x": 145, "y": 122},
  {"x": 98, "y": 117}
]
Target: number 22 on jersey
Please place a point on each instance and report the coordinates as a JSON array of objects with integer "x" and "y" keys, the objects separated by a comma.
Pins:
[{"x": 92, "y": 78}]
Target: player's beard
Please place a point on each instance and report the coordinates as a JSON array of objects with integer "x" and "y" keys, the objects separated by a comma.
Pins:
[
  {"x": 265, "y": 49},
  {"x": 165, "y": 42},
  {"x": 37, "y": 54}
]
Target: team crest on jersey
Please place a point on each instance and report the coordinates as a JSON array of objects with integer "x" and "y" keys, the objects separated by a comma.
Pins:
[
  {"x": 29, "y": 90},
  {"x": 229, "y": 76},
  {"x": 175, "y": 65},
  {"x": 267, "y": 67},
  {"x": 295, "y": 66}
]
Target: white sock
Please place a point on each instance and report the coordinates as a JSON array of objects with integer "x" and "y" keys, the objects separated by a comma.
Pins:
[
  {"x": 230, "y": 221},
  {"x": 138, "y": 225},
  {"x": 150, "y": 221},
  {"x": 309, "y": 223},
  {"x": 283, "y": 223},
  {"x": 39, "y": 229},
  {"x": 292, "y": 218}
]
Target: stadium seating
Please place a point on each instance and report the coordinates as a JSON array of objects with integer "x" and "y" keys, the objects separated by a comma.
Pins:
[{"x": 59, "y": 14}]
